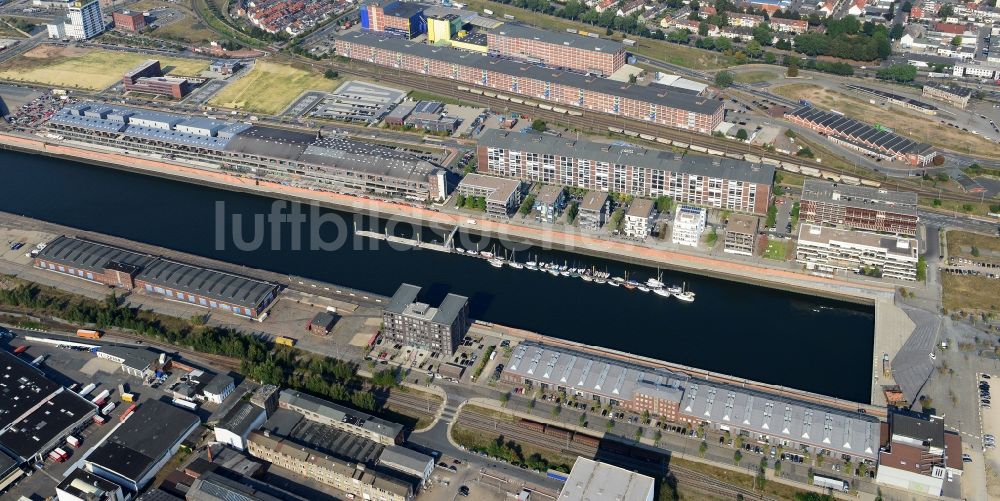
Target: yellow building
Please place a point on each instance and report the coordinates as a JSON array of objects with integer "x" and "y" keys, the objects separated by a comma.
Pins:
[{"x": 442, "y": 28}]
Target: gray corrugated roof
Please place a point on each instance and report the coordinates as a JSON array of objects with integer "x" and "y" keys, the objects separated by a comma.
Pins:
[
  {"x": 218, "y": 384},
  {"x": 407, "y": 458},
  {"x": 659, "y": 96},
  {"x": 232, "y": 289},
  {"x": 136, "y": 358},
  {"x": 404, "y": 295},
  {"x": 726, "y": 168},
  {"x": 240, "y": 418},
  {"x": 449, "y": 309},
  {"x": 90, "y": 256}
]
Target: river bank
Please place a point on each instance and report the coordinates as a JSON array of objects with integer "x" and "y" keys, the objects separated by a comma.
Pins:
[{"x": 783, "y": 279}]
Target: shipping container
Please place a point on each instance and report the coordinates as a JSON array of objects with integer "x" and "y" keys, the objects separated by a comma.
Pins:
[
  {"x": 62, "y": 453},
  {"x": 103, "y": 395},
  {"x": 21, "y": 349},
  {"x": 532, "y": 425},
  {"x": 99, "y": 419},
  {"x": 128, "y": 412},
  {"x": 88, "y": 333},
  {"x": 128, "y": 397},
  {"x": 73, "y": 441},
  {"x": 36, "y": 362},
  {"x": 86, "y": 390},
  {"x": 108, "y": 408},
  {"x": 185, "y": 404},
  {"x": 286, "y": 341}
]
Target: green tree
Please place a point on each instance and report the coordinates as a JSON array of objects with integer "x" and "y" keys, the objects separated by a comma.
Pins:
[
  {"x": 538, "y": 125},
  {"x": 330, "y": 74},
  {"x": 793, "y": 67},
  {"x": 527, "y": 205},
  {"x": 703, "y": 29},
  {"x": 703, "y": 448},
  {"x": 754, "y": 49},
  {"x": 572, "y": 211},
  {"x": 742, "y": 135},
  {"x": 956, "y": 41},
  {"x": 769, "y": 58},
  {"x": 504, "y": 399},
  {"x": 724, "y": 79},
  {"x": 737, "y": 457},
  {"x": 663, "y": 203},
  {"x": 898, "y": 73}
]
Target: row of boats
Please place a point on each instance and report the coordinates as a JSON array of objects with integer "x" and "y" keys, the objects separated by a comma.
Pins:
[{"x": 654, "y": 285}]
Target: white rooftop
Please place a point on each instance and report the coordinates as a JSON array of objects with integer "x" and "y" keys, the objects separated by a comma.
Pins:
[{"x": 595, "y": 481}]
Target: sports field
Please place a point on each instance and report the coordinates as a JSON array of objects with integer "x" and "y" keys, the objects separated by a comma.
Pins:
[
  {"x": 270, "y": 87},
  {"x": 89, "y": 69}
]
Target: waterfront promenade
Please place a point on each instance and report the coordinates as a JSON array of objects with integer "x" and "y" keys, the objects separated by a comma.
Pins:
[{"x": 545, "y": 237}]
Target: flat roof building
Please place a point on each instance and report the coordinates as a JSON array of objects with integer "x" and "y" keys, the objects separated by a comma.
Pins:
[
  {"x": 131, "y": 21},
  {"x": 833, "y": 250},
  {"x": 549, "y": 201},
  {"x": 407, "y": 461},
  {"x": 556, "y": 49},
  {"x": 741, "y": 234},
  {"x": 954, "y": 95},
  {"x": 441, "y": 329},
  {"x": 638, "y": 220},
  {"x": 325, "y": 163},
  {"x": 593, "y": 210},
  {"x": 176, "y": 281},
  {"x": 503, "y": 196},
  {"x": 660, "y": 106},
  {"x": 135, "y": 451},
  {"x": 627, "y": 169},
  {"x": 350, "y": 420},
  {"x": 136, "y": 362},
  {"x": 36, "y": 414},
  {"x": 689, "y": 224},
  {"x": 346, "y": 476},
  {"x": 859, "y": 207},
  {"x": 591, "y": 480},
  {"x": 79, "y": 485},
  {"x": 917, "y": 453}
]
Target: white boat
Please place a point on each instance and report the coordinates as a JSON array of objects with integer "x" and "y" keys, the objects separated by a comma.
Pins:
[
  {"x": 471, "y": 252},
  {"x": 587, "y": 278},
  {"x": 486, "y": 254},
  {"x": 643, "y": 288},
  {"x": 516, "y": 265},
  {"x": 613, "y": 283},
  {"x": 600, "y": 280},
  {"x": 496, "y": 263},
  {"x": 673, "y": 289},
  {"x": 685, "y": 295},
  {"x": 554, "y": 272},
  {"x": 531, "y": 264},
  {"x": 654, "y": 283},
  {"x": 564, "y": 273},
  {"x": 660, "y": 291}
]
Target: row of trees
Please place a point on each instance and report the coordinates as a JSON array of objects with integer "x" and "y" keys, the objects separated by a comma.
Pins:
[{"x": 262, "y": 360}]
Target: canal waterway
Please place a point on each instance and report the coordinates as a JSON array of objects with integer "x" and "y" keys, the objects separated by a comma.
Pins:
[{"x": 767, "y": 335}]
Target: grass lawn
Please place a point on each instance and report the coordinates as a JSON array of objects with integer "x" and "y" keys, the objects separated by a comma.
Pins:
[
  {"x": 771, "y": 489},
  {"x": 915, "y": 126},
  {"x": 270, "y": 87},
  {"x": 470, "y": 438},
  {"x": 961, "y": 244},
  {"x": 89, "y": 69},
  {"x": 756, "y": 76},
  {"x": 776, "y": 250},
  {"x": 969, "y": 293},
  {"x": 188, "y": 29},
  {"x": 688, "y": 57},
  {"x": 974, "y": 208}
]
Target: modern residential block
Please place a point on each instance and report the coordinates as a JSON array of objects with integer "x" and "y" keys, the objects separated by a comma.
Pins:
[
  {"x": 741, "y": 234},
  {"x": 503, "y": 196},
  {"x": 689, "y": 224},
  {"x": 418, "y": 324},
  {"x": 860, "y": 207},
  {"x": 834, "y": 250},
  {"x": 638, "y": 221}
]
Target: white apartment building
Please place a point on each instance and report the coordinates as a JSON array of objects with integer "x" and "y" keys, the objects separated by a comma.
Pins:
[
  {"x": 834, "y": 250},
  {"x": 639, "y": 218},
  {"x": 689, "y": 223},
  {"x": 84, "y": 20}
]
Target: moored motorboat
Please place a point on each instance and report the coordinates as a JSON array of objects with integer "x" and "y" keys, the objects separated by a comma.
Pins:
[{"x": 660, "y": 291}]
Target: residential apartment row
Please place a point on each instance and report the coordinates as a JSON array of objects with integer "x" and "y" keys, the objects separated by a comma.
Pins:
[{"x": 656, "y": 105}]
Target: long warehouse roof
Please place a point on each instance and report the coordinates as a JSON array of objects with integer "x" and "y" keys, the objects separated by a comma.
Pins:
[
  {"x": 221, "y": 286},
  {"x": 658, "y": 96},
  {"x": 559, "y": 38},
  {"x": 638, "y": 156},
  {"x": 852, "y": 128}
]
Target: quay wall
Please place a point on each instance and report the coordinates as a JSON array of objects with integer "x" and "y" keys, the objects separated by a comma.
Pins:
[{"x": 784, "y": 279}]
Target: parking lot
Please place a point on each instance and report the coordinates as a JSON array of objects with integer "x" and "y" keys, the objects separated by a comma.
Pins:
[
  {"x": 69, "y": 367},
  {"x": 471, "y": 353}
]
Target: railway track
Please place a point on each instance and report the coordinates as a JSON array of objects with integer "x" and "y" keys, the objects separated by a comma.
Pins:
[
  {"x": 686, "y": 477},
  {"x": 600, "y": 122}
]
